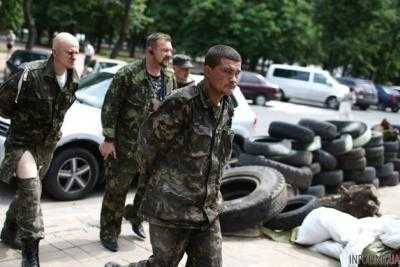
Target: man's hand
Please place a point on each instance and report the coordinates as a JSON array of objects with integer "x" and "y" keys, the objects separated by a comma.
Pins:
[{"x": 106, "y": 149}]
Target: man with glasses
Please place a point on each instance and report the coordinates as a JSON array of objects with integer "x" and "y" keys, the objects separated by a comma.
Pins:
[
  {"x": 36, "y": 100},
  {"x": 136, "y": 91}
]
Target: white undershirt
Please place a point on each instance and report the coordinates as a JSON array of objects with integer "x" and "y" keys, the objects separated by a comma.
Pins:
[{"x": 62, "y": 79}]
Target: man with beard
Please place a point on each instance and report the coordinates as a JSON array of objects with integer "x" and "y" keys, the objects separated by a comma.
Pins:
[
  {"x": 36, "y": 100},
  {"x": 136, "y": 91}
]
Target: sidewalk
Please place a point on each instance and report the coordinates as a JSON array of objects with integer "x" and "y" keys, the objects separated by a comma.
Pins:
[{"x": 72, "y": 240}]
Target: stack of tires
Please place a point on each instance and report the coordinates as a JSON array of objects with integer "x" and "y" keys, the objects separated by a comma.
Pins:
[
  {"x": 388, "y": 173},
  {"x": 255, "y": 196},
  {"x": 374, "y": 152}
]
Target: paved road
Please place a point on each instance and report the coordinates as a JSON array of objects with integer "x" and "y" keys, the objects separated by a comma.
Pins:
[{"x": 72, "y": 227}]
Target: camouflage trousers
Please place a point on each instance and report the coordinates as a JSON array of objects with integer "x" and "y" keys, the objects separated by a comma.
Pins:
[
  {"x": 119, "y": 176},
  {"x": 25, "y": 214},
  {"x": 203, "y": 247}
]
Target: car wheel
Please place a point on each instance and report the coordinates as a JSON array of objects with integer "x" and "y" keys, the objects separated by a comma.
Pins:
[
  {"x": 364, "y": 107},
  {"x": 260, "y": 100},
  {"x": 381, "y": 107},
  {"x": 72, "y": 174},
  {"x": 395, "y": 109},
  {"x": 332, "y": 102},
  {"x": 283, "y": 96}
]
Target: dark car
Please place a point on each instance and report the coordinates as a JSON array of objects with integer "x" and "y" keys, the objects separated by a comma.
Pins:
[
  {"x": 388, "y": 98},
  {"x": 255, "y": 87},
  {"x": 364, "y": 89},
  {"x": 22, "y": 56}
]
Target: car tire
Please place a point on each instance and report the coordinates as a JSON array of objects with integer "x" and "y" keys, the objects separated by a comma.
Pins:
[
  {"x": 376, "y": 151},
  {"x": 296, "y": 209},
  {"x": 396, "y": 164},
  {"x": 315, "y": 167},
  {"x": 391, "y": 146},
  {"x": 283, "y": 96},
  {"x": 284, "y": 130},
  {"x": 362, "y": 139},
  {"x": 376, "y": 139},
  {"x": 326, "y": 130},
  {"x": 390, "y": 156},
  {"x": 260, "y": 100},
  {"x": 376, "y": 162},
  {"x": 385, "y": 171},
  {"x": 361, "y": 177},
  {"x": 376, "y": 183},
  {"x": 391, "y": 180},
  {"x": 314, "y": 145},
  {"x": 327, "y": 161},
  {"x": 251, "y": 195},
  {"x": 69, "y": 185},
  {"x": 315, "y": 190},
  {"x": 363, "y": 107},
  {"x": 328, "y": 178},
  {"x": 332, "y": 103},
  {"x": 267, "y": 149},
  {"x": 339, "y": 146},
  {"x": 394, "y": 109},
  {"x": 353, "y": 154},
  {"x": 298, "y": 177},
  {"x": 352, "y": 164},
  {"x": 354, "y": 128},
  {"x": 297, "y": 158}
]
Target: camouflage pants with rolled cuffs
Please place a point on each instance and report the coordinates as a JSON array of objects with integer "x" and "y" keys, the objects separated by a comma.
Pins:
[
  {"x": 119, "y": 176},
  {"x": 25, "y": 213},
  {"x": 203, "y": 247}
]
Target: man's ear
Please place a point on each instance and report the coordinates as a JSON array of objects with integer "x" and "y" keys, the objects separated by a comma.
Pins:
[{"x": 207, "y": 70}]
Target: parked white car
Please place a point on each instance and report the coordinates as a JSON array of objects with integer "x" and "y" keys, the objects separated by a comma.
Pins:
[
  {"x": 77, "y": 165},
  {"x": 306, "y": 83}
]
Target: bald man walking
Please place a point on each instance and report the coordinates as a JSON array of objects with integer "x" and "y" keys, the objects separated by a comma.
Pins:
[{"x": 36, "y": 100}]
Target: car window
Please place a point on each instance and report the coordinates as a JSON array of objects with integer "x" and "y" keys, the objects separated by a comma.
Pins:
[
  {"x": 319, "y": 78},
  {"x": 345, "y": 82},
  {"x": 292, "y": 74},
  {"x": 93, "y": 78},
  {"x": 94, "y": 94},
  {"x": 249, "y": 78},
  {"x": 20, "y": 58}
]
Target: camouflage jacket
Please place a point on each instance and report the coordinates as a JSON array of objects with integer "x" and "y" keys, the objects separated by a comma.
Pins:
[
  {"x": 128, "y": 102},
  {"x": 183, "y": 148},
  {"x": 35, "y": 103},
  {"x": 187, "y": 83}
]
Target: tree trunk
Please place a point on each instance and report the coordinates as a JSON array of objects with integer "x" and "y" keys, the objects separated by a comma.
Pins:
[
  {"x": 123, "y": 30},
  {"x": 132, "y": 45},
  {"x": 30, "y": 22}
]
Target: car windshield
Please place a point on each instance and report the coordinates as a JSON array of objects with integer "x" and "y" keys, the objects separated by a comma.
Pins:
[
  {"x": 390, "y": 91},
  {"x": 93, "y": 95}
]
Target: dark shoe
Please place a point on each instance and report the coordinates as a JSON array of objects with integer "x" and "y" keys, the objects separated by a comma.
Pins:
[
  {"x": 30, "y": 253},
  {"x": 110, "y": 244},
  {"x": 137, "y": 228},
  {"x": 10, "y": 237}
]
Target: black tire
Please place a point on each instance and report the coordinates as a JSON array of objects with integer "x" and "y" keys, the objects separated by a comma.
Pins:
[
  {"x": 326, "y": 130},
  {"x": 339, "y": 146},
  {"x": 297, "y": 159},
  {"x": 391, "y": 180},
  {"x": 283, "y": 96},
  {"x": 363, "y": 107},
  {"x": 57, "y": 186},
  {"x": 260, "y": 100},
  {"x": 251, "y": 195},
  {"x": 315, "y": 190},
  {"x": 376, "y": 183},
  {"x": 296, "y": 209},
  {"x": 352, "y": 164},
  {"x": 372, "y": 152},
  {"x": 396, "y": 164},
  {"x": 394, "y": 109},
  {"x": 361, "y": 177},
  {"x": 353, "y": 154},
  {"x": 376, "y": 162},
  {"x": 390, "y": 156},
  {"x": 315, "y": 168},
  {"x": 267, "y": 149},
  {"x": 391, "y": 146},
  {"x": 299, "y": 177},
  {"x": 314, "y": 145},
  {"x": 332, "y": 103},
  {"x": 299, "y": 133},
  {"x": 328, "y": 161},
  {"x": 376, "y": 139},
  {"x": 354, "y": 128},
  {"x": 328, "y": 178},
  {"x": 384, "y": 171}
]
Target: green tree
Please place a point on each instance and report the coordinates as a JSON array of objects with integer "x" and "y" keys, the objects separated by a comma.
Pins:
[{"x": 11, "y": 15}]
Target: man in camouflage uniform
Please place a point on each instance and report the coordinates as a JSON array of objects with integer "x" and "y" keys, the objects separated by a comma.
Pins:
[
  {"x": 183, "y": 148},
  {"x": 135, "y": 92},
  {"x": 182, "y": 66},
  {"x": 36, "y": 100}
]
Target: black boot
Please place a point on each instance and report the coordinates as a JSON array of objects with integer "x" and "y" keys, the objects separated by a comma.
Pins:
[
  {"x": 30, "y": 253},
  {"x": 10, "y": 236}
]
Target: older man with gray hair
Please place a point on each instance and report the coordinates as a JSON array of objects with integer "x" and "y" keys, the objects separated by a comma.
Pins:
[{"x": 36, "y": 100}]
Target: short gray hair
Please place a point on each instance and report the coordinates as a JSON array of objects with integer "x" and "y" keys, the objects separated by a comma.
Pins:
[
  {"x": 152, "y": 39},
  {"x": 217, "y": 52}
]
